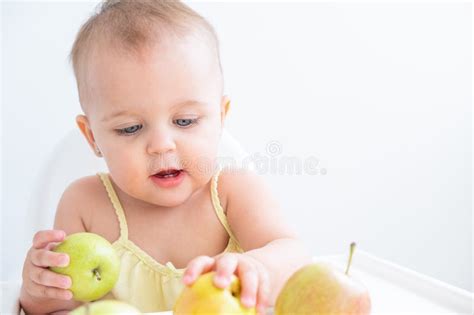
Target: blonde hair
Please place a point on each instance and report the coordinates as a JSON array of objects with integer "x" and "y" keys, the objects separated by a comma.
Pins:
[{"x": 131, "y": 25}]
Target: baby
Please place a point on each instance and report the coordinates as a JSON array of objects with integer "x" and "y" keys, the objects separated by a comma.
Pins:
[{"x": 151, "y": 88}]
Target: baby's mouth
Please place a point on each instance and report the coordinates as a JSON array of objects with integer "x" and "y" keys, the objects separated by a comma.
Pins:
[{"x": 168, "y": 173}]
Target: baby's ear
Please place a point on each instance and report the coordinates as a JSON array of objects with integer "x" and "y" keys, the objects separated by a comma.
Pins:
[
  {"x": 225, "y": 105},
  {"x": 83, "y": 124}
]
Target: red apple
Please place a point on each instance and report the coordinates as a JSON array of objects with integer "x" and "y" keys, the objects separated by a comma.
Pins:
[{"x": 320, "y": 288}]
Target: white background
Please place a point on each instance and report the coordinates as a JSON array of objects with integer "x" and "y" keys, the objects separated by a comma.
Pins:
[{"x": 380, "y": 94}]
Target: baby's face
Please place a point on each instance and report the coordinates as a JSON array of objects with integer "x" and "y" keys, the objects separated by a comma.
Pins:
[{"x": 161, "y": 111}]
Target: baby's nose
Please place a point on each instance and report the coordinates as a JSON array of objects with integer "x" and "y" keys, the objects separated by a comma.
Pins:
[{"x": 161, "y": 142}]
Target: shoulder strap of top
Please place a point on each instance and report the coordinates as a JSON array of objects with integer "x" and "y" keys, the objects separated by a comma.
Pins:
[
  {"x": 219, "y": 210},
  {"x": 116, "y": 204}
]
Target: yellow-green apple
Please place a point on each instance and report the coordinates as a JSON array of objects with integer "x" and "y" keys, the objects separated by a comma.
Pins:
[
  {"x": 106, "y": 307},
  {"x": 203, "y": 297},
  {"x": 320, "y": 288},
  {"x": 93, "y": 265}
]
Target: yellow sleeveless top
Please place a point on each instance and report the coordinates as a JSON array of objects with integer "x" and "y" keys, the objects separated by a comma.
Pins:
[{"x": 143, "y": 282}]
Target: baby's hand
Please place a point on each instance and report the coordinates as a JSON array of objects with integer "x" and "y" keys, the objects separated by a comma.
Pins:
[
  {"x": 253, "y": 276},
  {"x": 38, "y": 280}
]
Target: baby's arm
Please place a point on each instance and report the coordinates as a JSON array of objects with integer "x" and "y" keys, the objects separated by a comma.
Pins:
[
  {"x": 255, "y": 217},
  {"x": 44, "y": 291},
  {"x": 268, "y": 242}
]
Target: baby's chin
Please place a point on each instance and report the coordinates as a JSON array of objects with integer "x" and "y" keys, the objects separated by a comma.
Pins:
[{"x": 174, "y": 197}]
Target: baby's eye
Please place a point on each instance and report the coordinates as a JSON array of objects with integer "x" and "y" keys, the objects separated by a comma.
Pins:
[
  {"x": 129, "y": 130},
  {"x": 185, "y": 122}
]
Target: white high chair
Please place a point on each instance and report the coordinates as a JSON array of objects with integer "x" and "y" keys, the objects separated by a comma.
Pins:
[{"x": 71, "y": 159}]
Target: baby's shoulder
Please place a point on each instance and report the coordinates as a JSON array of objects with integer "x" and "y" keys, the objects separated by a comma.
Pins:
[
  {"x": 253, "y": 211},
  {"x": 233, "y": 183},
  {"x": 230, "y": 179},
  {"x": 79, "y": 197},
  {"x": 83, "y": 189}
]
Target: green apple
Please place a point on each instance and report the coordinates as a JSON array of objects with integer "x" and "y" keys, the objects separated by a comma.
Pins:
[
  {"x": 203, "y": 297},
  {"x": 320, "y": 288},
  {"x": 93, "y": 265},
  {"x": 105, "y": 307}
]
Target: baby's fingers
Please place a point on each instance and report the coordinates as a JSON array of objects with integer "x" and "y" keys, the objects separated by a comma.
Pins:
[
  {"x": 263, "y": 291},
  {"x": 42, "y": 238},
  {"x": 225, "y": 268},
  {"x": 46, "y": 258},
  {"x": 249, "y": 280},
  {"x": 196, "y": 267},
  {"x": 45, "y": 277},
  {"x": 42, "y": 291}
]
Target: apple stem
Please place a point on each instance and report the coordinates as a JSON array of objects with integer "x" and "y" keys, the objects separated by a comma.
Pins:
[
  {"x": 353, "y": 245},
  {"x": 88, "y": 309},
  {"x": 97, "y": 274}
]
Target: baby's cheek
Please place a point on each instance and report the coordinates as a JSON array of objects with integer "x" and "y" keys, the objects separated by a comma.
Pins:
[
  {"x": 201, "y": 164},
  {"x": 129, "y": 176}
]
